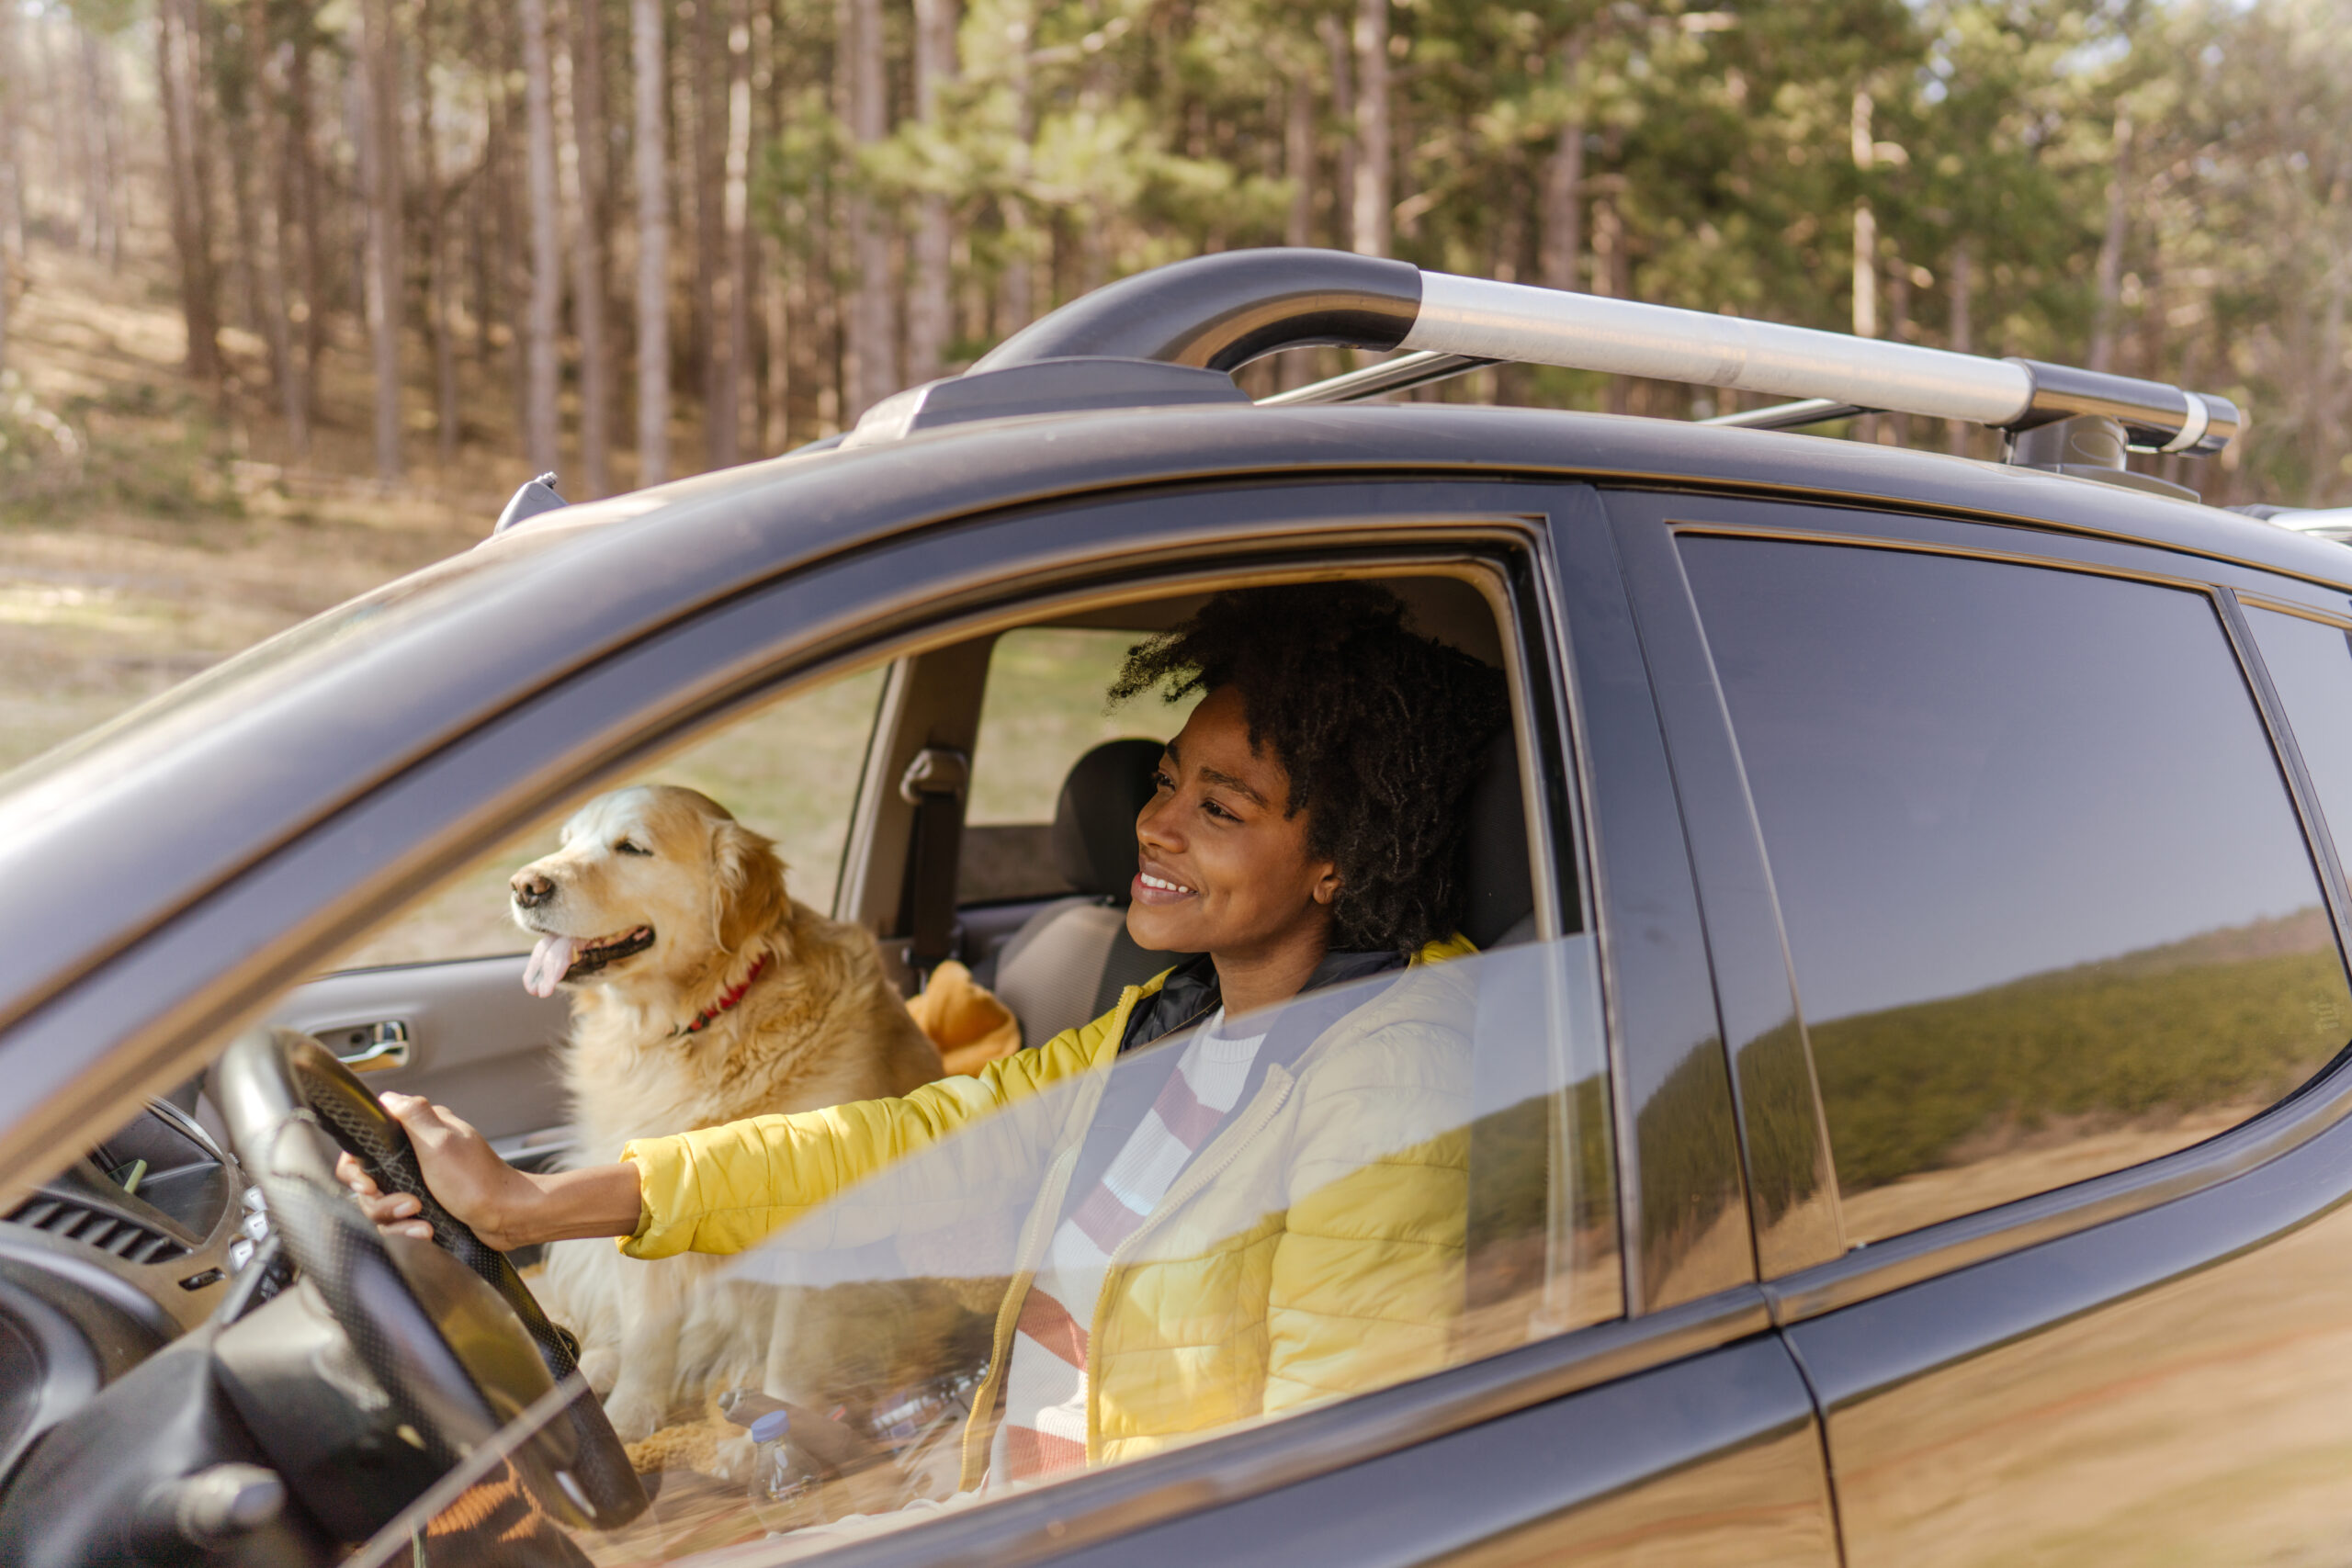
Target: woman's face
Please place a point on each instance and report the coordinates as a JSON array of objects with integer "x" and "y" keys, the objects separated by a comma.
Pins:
[{"x": 1225, "y": 869}]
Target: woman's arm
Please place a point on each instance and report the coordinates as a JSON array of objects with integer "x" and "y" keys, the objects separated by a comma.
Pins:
[
  {"x": 723, "y": 1189},
  {"x": 505, "y": 1207}
]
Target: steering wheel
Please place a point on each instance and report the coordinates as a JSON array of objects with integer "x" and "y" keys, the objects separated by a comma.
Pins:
[{"x": 289, "y": 1105}]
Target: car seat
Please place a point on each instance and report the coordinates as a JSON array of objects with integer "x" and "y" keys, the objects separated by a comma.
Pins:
[{"x": 1069, "y": 961}]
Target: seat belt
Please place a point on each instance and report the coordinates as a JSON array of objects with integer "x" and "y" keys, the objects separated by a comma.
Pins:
[{"x": 935, "y": 785}]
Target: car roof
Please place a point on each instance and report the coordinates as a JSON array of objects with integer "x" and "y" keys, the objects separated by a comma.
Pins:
[{"x": 177, "y": 799}]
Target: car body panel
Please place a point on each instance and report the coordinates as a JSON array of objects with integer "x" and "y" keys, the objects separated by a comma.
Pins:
[{"x": 2175, "y": 1385}]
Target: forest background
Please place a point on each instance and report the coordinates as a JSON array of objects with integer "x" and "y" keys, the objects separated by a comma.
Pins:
[{"x": 291, "y": 294}]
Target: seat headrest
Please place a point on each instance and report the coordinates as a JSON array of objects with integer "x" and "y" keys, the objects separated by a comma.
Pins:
[
  {"x": 1094, "y": 821},
  {"x": 1499, "y": 886}
]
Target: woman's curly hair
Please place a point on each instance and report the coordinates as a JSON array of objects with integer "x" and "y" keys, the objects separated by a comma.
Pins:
[{"x": 1379, "y": 729}]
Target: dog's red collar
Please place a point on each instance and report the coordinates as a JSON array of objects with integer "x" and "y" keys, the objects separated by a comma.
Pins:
[{"x": 702, "y": 1018}]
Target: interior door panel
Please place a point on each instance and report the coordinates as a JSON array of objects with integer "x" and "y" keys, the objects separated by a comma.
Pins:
[{"x": 478, "y": 1042}]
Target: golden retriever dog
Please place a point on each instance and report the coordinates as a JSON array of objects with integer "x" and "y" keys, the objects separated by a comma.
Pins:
[{"x": 701, "y": 993}]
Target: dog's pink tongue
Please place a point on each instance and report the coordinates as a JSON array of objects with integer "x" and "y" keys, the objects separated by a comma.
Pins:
[{"x": 549, "y": 962}]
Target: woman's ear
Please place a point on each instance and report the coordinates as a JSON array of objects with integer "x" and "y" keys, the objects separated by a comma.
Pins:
[
  {"x": 746, "y": 884},
  {"x": 1327, "y": 884}
]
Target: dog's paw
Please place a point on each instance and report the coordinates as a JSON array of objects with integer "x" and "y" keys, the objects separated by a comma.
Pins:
[
  {"x": 634, "y": 1417},
  {"x": 731, "y": 1458}
]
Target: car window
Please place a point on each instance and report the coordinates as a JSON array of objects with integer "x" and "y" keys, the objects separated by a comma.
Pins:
[
  {"x": 2309, "y": 663},
  {"x": 1043, "y": 709},
  {"x": 2049, "y": 908},
  {"x": 1403, "y": 1173},
  {"x": 788, "y": 770}
]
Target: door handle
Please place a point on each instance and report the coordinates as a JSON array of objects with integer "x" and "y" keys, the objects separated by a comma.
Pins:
[{"x": 370, "y": 1047}]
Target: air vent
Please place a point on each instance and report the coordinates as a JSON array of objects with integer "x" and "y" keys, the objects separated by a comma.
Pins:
[{"x": 127, "y": 1240}]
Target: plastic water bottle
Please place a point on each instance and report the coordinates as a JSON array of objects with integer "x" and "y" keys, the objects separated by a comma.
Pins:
[{"x": 785, "y": 1481}]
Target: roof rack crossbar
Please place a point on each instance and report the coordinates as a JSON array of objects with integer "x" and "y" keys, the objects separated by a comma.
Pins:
[
  {"x": 1219, "y": 311},
  {"x": 1788, "y": 416},
  {"x": 1405, "y": 371}
]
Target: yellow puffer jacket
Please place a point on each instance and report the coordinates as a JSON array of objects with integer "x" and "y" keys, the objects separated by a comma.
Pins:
[{"x": 1314, "y": 1249}]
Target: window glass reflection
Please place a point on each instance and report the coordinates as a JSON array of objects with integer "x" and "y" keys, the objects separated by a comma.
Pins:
[
  {"x": 1412, "y": 1171},
  {"x": 2049, "y": 908}
]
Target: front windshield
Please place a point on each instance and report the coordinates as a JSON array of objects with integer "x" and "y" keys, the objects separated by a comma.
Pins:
[{"x": 1243, "y": 1219}]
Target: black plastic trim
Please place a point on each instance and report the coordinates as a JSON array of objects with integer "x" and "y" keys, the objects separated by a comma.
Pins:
[
  {"x": 1678, "y": 1170},
  {"x": 1221, "y": 311}
]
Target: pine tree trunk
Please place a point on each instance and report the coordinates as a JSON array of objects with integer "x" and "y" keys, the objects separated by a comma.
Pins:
[
  {"x": 80, "y": 138},
  {"x": 584, "y": 121},
  {"x": 540, "y": 429},
  {"x": 1561, "y": 243},
  {"x": 873, "y": 348},
  {"x": 1865, "y": 225},
  {"x": 265, "y": 121},
  {"x": 707, "y": 181},
  {"x": 99, "y": 157},
  {"x": 438, "y": 273},
  {"x": 1297, "y": 368},
  {"x": 651, "y": 72},
  {"x": 244, "y": 201},
  {"x": 766, "y": 265},
  {"x": 1373, "y": 187},
  {"x": 385, "y": 283},
  {"x": 929, "y": 282},
  {"x": 1016, "y": 285},
  {"x": 177, "y": 80},
  {"x": 1298, "y": 159},
  {"x": 2110, "y": 251},
  {"x": 297, "y": 212},
  {"x": 1963, "y": 288},
  {"x": 735, "y": 344}
]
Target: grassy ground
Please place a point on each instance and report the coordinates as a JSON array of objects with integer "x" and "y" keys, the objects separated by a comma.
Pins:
[{"x": 154, "y": 547}]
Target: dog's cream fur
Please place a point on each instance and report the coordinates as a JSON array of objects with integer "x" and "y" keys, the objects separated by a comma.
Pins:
[{"x": 820, "y": 1025}]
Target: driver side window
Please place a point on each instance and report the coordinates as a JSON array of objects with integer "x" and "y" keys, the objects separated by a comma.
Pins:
[{"x": 789, "y": 770}]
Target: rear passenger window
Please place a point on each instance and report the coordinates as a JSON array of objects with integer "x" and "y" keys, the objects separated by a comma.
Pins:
[{"x": 2050, "y": 908}]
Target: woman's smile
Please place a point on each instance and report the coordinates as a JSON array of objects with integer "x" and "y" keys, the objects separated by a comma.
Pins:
[{"x": 1154, "y": 886}]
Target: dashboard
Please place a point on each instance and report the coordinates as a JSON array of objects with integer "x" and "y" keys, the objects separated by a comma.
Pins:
[{"x": 119, "y": 1254}]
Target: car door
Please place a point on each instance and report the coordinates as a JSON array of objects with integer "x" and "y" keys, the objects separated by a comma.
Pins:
[
  {"x": 1650, "y": 1409},
  {"x": 2031, "y": 937}
]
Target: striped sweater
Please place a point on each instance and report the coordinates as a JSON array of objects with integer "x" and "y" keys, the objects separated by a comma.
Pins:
[{"x": 1044, "y": 1431}]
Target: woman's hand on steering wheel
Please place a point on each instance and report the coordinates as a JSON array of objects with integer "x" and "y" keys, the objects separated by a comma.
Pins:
[{"x": 458, "y": 1163}]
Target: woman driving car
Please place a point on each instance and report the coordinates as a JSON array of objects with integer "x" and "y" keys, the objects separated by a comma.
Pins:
[{"x": 1300, "y": 1174}]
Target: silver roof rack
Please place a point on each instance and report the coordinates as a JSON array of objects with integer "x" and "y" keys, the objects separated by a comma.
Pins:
[{"x": 1220, "y": 311}]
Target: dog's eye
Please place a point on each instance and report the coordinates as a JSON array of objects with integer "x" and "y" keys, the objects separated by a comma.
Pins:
[{"x": 625, "y": 847}]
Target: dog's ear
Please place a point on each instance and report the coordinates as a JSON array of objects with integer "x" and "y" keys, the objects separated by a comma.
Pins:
[{"x": 746, "y": 886}]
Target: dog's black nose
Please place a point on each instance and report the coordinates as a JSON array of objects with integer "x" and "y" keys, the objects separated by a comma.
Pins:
[{"x": 532, "y": 888}]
